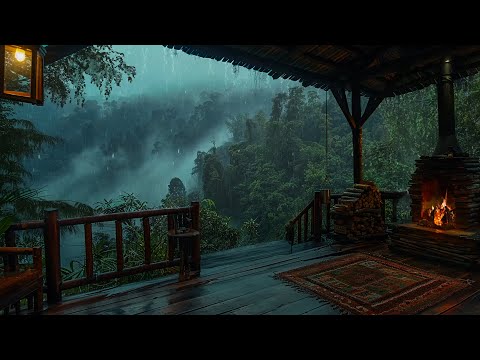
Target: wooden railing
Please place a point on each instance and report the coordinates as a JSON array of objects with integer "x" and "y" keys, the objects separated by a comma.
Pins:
[
  {"x": 301, "y": 230},
  {"x": 309, "y": 220},
  {"x": 52, "y": 225}
]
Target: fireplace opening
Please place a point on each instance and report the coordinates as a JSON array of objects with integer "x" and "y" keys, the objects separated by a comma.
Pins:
[{"x": 438, "y": 208}]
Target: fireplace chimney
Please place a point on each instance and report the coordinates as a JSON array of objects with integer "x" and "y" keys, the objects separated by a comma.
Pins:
[{"x": 447, "y": 140}]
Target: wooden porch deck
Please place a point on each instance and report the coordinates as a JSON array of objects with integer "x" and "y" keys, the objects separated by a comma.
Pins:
[{"x": 240, "y": 281}]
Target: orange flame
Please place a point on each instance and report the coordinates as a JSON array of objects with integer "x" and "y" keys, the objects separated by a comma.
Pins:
[{"x": 439, "y": 211}]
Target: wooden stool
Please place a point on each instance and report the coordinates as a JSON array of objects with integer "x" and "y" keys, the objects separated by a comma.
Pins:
[{"x": 185, "y": 241}]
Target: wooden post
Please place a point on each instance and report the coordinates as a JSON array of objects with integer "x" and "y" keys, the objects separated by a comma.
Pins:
[
  {"x": 356, "y": 120},
  {"x": 196, "y": 242},
  {"x": 52, "y": 256},
  {"x": 357, "y": 135},
  {"x": 357, "y": 155},
  {"x": 88, "y": 250},
  {"x": 317, "y": 216}
]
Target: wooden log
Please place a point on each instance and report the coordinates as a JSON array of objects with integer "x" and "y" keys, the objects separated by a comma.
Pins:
[
  {"x": 354, "y": 190},
  {"x": 351, "y": 195},
  {"x": 362, "y": 186}
]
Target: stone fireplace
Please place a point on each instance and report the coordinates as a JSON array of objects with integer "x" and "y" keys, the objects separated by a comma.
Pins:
[{"x": 444, "y": 192}]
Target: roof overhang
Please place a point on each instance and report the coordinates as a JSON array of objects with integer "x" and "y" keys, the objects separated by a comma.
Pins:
[
  {"x": 380, "y": 70},
  {"x": 57, "y": 52}
]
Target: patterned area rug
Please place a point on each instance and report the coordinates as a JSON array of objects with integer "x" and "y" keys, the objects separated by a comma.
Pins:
[{"x": 367, "y": 285}]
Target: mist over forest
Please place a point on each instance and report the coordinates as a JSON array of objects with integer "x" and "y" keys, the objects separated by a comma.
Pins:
[{"x": 144, "y": 135}]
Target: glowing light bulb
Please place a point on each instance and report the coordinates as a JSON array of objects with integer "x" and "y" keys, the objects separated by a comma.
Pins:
[{"x": 20, "y": 55}]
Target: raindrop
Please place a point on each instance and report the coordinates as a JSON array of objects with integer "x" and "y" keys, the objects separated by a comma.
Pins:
[
  {"x": 178, "y": 151},
  {"x": 113, "y": 156},
  {"x": 39, "y": 157}
]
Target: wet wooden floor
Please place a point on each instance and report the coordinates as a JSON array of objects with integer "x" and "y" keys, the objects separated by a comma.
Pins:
[{"x": 241, "y": 282}]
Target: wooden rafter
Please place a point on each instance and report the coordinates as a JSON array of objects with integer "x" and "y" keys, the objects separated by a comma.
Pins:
[
  {"x": 295, "y": 51},
  {"x": 403, "y": 63},
  {"x": 257, "y": 62},
  {"x": 363, "y": 62}
]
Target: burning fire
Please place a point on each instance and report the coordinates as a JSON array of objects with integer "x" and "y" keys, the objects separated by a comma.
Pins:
[{"x": 441, "y": 214}]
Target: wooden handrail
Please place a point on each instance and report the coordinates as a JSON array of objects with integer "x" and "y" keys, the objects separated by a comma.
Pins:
[
  {"x": 308, "y": 207},
  {"x": 28, "y": 225},
  {"x": 9, "y": 250},
  {"x": 122, "y": 216},
  {"x": 309, "y": 213},
  {"x": 52, "y": 225}
]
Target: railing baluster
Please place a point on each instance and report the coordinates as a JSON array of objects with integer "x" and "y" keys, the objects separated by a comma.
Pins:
[
  {"x": 317, "y": 216},
  {"x": 171, "y": 239},
  {"x": 299, "y": 231},
  {"x": 305, "y": 226},
  {"x": 146, "y": 238},
  {"x": 88, "y": 250},
  {"x": 119, "y": 244},
  {"x": 312, "y": 222}
]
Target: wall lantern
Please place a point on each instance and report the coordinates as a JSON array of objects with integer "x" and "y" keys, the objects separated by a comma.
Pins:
[{"x": 21, "y": 73}]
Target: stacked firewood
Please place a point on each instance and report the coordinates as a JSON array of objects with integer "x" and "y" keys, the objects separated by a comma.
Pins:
[{"x": 358, "y": 213}]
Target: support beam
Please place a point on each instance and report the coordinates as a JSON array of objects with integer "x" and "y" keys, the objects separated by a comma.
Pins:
[
  {"x": 372, "y": 105},
  {"x": 341, "y": 98},
  {"x": 357, "y": 134}
]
